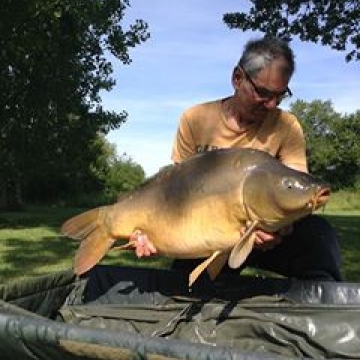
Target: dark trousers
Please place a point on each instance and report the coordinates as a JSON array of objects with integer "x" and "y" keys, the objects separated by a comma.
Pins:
[{"x": 311, "y": 251}]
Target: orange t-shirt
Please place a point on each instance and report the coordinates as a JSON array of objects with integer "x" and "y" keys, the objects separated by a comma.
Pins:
[{"x": 203, "y": 127}]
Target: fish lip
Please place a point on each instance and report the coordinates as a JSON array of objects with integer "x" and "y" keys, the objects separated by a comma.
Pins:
[{"x": 320, "y": 198}]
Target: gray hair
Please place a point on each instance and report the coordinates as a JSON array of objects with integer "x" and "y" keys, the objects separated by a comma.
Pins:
[{"x": 258, "y": 54}]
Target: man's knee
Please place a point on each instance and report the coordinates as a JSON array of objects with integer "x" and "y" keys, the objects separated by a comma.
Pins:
[
  {"x": 320, "y": 242},
  {"x": 317, "y": 232}
]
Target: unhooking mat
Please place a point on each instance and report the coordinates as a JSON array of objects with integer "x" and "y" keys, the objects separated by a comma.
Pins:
[{"x": 136, "y": 313}]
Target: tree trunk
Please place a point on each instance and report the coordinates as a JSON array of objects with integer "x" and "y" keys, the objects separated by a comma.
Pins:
[{"x": 11, "y": 195}]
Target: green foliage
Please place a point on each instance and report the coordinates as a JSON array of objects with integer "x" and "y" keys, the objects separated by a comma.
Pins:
[
  {"x": 54, "y": 64},
  {"x": 124, "y": 175},
  {"x": 334, "y": 23},
  {"x": 333, "y": 148}
]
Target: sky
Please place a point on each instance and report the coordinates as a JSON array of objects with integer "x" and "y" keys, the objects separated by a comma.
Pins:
[{"x": 189, "y": 59}]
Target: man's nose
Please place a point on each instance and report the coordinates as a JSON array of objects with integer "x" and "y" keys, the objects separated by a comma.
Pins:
[{"x": 272, "y": 103}]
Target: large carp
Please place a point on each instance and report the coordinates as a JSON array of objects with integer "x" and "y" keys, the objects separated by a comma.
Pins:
[{"x": 206, "y": 207}]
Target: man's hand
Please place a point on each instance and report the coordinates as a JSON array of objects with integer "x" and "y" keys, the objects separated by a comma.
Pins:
[
  {"x": 267, "y": 241},
  {"x": 143, "y": 246}
]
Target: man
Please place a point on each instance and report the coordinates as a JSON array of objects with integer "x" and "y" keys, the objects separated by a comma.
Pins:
[{"x": 251, "y": 118}]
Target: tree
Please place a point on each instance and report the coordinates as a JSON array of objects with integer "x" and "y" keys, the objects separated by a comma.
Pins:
[
  {"x": 335, "y": 23},
  {"x": 346, "y": 142},
  {"x": 123, "y": 176},
  {"x": 54, "y": 65},
  {"x": 333, "y": 149}
]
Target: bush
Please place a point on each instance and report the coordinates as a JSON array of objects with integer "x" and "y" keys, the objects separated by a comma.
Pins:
[{"x": 123, "y": 176}]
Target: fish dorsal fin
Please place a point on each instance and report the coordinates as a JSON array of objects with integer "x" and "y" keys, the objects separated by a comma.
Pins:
[
  {"x": 243, "y": 247},
  {"x": 202, "y": 266}
]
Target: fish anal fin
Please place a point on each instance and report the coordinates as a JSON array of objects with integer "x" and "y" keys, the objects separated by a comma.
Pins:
[
  {"x": 201, "y": 267},
  {"x": 216, "y": 265},
  {"x": 243, "y": 247}
]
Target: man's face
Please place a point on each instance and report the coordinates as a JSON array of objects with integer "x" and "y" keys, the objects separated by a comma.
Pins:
[{"x": 257, "y": 95}]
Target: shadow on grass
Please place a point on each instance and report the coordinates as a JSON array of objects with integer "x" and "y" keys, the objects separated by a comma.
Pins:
[
  {"x": 348, "y": 229},
  {"x": 36, "y": 217},
  {"x": 27, "y": 258},
  {"x": 23, "y": 258},
  {"x": 23, "y": 254}
]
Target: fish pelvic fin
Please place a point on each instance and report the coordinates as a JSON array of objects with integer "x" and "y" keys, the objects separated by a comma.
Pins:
[
  {"x": 243, "y": 247},
  {"x": 202, "y": 266}
]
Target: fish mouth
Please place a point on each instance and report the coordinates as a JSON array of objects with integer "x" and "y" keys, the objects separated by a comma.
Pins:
[{"x": 320, "y": 198}]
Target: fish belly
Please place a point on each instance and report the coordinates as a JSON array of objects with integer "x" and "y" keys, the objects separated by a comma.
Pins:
[{"x": 195, "y": 234}]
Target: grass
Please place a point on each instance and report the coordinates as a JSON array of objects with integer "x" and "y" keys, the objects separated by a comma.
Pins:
[
  {"x": 347, "y": 225},
  {"x": 31, "y": 245}
]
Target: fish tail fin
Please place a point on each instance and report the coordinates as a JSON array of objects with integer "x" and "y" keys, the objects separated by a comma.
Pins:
[
  {"x": 92, "y": 249},
  {"x": 80, "y": 226},
  {"x": 92, "y": 229}
]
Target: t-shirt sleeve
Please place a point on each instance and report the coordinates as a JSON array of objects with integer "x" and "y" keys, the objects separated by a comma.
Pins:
[
  {"x": 184, "y": 143},
  {"x": 293, "y": 150}
]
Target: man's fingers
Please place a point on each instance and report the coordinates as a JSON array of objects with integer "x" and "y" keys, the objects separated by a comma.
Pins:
[
  {"x": 151, "y": 248},
  {"x": 139, "y": 251},
  {"x": 267, "y": 241},
  {"x": 143, "y": 246}
]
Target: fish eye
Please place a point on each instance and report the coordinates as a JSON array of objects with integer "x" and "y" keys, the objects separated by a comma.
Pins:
[{"x": 288, "y": 183}]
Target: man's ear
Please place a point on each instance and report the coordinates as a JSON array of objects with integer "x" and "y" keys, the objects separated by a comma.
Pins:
[{"x": 237, "y": 77}]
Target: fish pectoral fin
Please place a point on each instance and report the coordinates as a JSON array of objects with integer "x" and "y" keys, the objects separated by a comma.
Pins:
[
  {"x": 201, "y": 267},
  {"x": 241, "y": 251},
  {"x": 243, "y": 247},
  {"x": 216, "y": 265}
]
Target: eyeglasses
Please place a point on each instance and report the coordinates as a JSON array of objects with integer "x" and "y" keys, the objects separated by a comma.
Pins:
[{"x": 266, "y": 94}]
